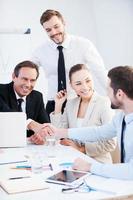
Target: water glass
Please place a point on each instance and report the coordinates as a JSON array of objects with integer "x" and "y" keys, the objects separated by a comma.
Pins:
[
  {"x": 50, "y": 143},
  {"x": 36, "y": 162}
]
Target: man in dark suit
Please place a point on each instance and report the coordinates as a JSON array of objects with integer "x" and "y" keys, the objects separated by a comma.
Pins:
[{"x": 24, "y": 78}]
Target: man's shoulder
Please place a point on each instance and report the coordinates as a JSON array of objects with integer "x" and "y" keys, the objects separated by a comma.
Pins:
[
  {"x": 4, "y": 86},
  {"x": 35, "y": 93},
  {"x": 79, "y": 39}
]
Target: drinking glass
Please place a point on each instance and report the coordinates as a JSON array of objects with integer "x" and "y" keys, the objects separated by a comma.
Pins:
[{"x": 51, "y": 143}]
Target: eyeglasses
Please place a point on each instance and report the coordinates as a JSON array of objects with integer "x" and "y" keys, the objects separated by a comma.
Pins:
[{"x": 82, "y": 188}]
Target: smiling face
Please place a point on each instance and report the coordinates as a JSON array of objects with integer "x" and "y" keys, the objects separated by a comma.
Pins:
[
  {"x": 25, "y": 81},
  {"x": 55, "y": 29},
  {"x": 82, "y": 84}
]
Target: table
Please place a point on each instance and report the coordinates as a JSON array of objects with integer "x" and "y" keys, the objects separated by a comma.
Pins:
[{"x": 63, "y": 154}]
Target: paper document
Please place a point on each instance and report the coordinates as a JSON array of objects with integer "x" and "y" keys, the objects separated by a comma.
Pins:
[
  {"x": 23, "y": 184},
  {"x": 12, "y": 155}
]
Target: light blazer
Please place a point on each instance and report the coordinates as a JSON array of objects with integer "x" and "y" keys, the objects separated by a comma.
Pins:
[
  {"x": 34, "y": 104},
  {"x": 97, "y": 114}
]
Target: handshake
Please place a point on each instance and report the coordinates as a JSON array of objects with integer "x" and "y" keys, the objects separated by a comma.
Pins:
[{"x": 41, "y": 131}]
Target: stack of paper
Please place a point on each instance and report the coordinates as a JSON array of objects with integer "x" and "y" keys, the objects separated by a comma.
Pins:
[{"x": 23, "y": 184}]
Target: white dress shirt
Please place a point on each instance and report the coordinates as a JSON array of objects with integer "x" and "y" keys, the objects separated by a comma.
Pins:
[
  {"x": 28, "y": 121},
  {"x": 122, "y": 170},
  {"x": 77, "y": 50}
]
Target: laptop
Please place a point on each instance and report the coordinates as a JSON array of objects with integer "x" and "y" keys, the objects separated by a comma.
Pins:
[{"x": 12, "y": 129}]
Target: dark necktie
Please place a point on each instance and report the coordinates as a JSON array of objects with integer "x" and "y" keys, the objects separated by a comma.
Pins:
[
  {"x": 122, "y": 141},
  {"x": 61, "y": 70},
  {"x": 19, "y": 101}
]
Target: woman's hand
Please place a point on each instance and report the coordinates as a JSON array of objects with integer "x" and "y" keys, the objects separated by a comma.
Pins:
[{"x": 60, "y": 98}]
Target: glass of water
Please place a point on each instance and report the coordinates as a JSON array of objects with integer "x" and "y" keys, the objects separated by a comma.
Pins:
[
  {"x": 36, "y": 162},
  {"x": 50, "y": 143}
]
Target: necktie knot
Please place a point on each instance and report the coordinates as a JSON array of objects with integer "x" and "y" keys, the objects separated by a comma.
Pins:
[
  {"x": 19, "y": 101},
  {"x": 60, "y": 48}
]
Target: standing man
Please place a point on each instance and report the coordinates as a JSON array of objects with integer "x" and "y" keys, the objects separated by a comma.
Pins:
[
  {"x": 120, "y": 92},
  {"x": 19, "y": 95},
  {"x": 58, "y": 54}
]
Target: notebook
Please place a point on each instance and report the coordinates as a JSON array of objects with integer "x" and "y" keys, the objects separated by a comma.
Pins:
[{"x": 12, "y": 129}]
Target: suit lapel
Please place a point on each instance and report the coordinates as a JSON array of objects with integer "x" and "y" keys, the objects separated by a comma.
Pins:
[
  {"x": 90, "y": 109},
  {"x": 29, "y": 106},
  {"x": 13, "y": 100}
]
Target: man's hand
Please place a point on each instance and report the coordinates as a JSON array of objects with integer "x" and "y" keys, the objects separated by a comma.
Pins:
[
  {"x": 37, "y": 139},
  {"x": 40, "y": 131},
  {"x": 81, "y": 165}
]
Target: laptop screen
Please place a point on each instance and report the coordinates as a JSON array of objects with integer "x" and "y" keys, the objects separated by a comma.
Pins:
[{"x": 12, "y": 129}]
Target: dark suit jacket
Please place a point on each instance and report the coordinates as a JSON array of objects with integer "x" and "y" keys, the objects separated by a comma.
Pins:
[
  {"x": 34, "y": 104},
  {"x": 3, "y": 106}
]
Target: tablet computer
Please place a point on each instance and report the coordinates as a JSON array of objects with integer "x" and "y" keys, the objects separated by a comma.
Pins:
[{"x": 67, "y": 177}]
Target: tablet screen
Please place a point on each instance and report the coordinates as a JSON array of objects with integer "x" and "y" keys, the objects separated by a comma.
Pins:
[{"x": 66, "y": 176}]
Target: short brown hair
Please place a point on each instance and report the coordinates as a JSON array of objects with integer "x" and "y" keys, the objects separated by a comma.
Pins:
[
  {"x": 26, "y": 64},
  {"x": 122, "y": 78},
  {"x": 48, "y": 14},
  {"x": 76, "y": 68}
]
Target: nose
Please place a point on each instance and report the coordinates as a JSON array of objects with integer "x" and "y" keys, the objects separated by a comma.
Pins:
[
  {"x": 28, "y": 83},
  {"x": 84, "y": 86},
  {"x": 53, "y": 31}
]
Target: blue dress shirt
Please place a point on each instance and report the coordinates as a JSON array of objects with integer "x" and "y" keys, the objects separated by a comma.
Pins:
[{"x": 112, "y": 129}]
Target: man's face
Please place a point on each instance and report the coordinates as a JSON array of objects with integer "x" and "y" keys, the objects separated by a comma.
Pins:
[
  {"x": 116, "y": 102},
  {"x": 55, "y": 29},
  {"x": 25, "y": 82}
]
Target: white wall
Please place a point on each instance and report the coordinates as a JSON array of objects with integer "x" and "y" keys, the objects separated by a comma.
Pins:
[{"x": 107, "y": 23}]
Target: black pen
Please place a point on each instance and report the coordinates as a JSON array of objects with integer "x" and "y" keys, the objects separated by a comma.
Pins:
[
  {"x": 19, "y": 177},
  {"x": 50, "y": 165}
]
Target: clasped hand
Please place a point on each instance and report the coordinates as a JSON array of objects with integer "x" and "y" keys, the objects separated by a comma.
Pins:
[{"x": 40, "y": 132}]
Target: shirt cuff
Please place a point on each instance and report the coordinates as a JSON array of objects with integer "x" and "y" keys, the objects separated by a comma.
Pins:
[
  {"x": 96, "y": 168},
  {"x": 28, "y": 121}
]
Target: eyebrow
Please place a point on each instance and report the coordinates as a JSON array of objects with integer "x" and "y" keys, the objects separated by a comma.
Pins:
[
  {"x": 86, "y": 79},
  {"x": 49, "y": 28}
]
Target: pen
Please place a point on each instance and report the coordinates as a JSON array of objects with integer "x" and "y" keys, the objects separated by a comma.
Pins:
[
  {"x": 19, "y": 177},
  {"x": 51, "y": 167},
  {"x": 24, "y": 166}
]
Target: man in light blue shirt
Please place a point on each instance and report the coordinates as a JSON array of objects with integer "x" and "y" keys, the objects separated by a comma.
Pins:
[{"x": 120, "y": 92}]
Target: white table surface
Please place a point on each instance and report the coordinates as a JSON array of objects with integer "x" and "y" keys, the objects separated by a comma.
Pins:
[{"x": 63, "y": 154}]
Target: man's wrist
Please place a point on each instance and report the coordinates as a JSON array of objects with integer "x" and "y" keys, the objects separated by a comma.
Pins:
[
  {"x": 28, "y": 121},
  {"x": 33, "y": 125}
]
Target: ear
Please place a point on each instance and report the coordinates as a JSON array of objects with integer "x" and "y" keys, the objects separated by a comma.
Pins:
[{"x": 120, "y": 93}]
